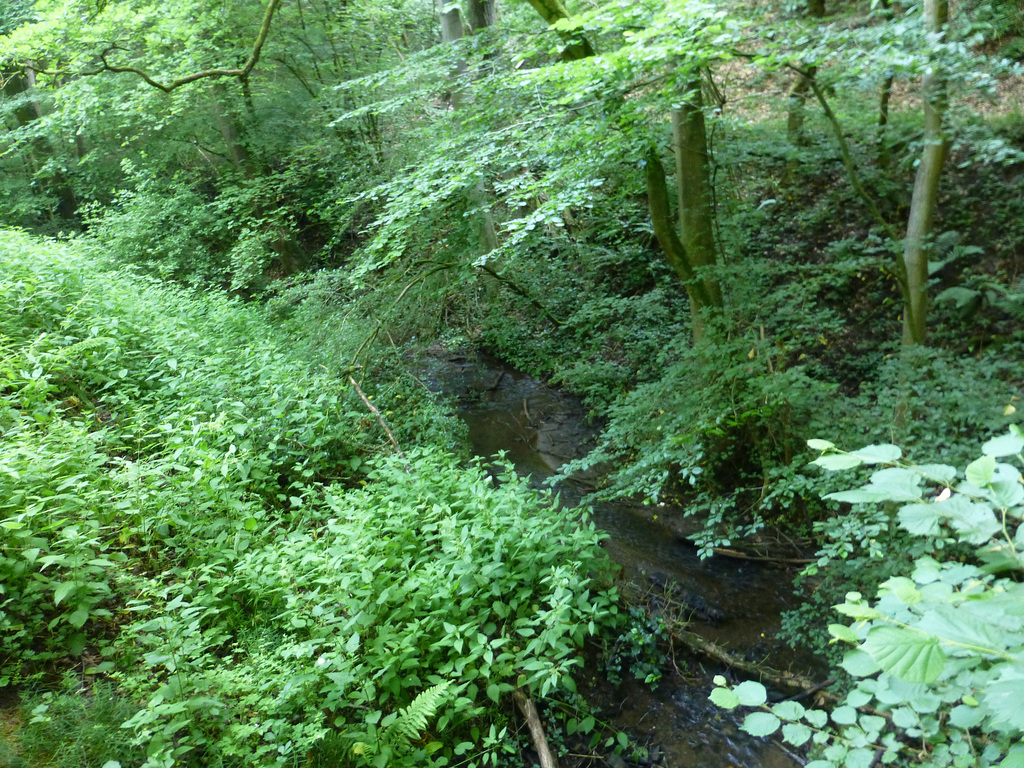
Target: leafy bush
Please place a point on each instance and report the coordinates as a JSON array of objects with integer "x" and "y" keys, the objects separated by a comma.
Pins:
[
  {"x": 432, "y": 576},
  {"x": 177, "y": 509},
  {"x": 940, "y": 655}
]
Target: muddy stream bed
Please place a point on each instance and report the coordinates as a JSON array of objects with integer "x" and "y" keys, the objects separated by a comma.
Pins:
[{"x": 738, "y": 602}]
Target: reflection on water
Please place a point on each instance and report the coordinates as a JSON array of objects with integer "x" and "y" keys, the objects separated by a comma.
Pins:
[{"x": 539, "y": 429}]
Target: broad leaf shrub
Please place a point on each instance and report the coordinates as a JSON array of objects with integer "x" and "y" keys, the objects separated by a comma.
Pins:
[
  {"x": 434, "y": 577},
  {"x": 181, "y": 514},
  {"x": 938, "y": 658}
]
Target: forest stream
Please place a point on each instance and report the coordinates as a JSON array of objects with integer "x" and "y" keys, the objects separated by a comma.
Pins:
[{"x": 735, "y": 604}]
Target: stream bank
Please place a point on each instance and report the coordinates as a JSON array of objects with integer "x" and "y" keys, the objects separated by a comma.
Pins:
[{"x": 732, "y": 603}]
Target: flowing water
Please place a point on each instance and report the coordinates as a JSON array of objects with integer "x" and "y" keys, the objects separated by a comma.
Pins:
[{"x": 539, "y": 429}]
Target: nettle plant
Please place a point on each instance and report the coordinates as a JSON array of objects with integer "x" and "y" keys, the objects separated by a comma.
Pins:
[{"x": 938, "y": 658}]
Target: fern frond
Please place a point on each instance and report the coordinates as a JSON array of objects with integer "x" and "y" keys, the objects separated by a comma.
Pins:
[{"x": 412, "y": 720}]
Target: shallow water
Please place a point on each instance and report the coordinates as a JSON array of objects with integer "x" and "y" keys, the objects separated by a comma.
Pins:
[{"x": 539, "y": 429}]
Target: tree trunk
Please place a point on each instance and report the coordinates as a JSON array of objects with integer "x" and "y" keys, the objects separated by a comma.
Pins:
[
  {"x": 58, "y": 183},
  {"x": 883, "y": 105},
  {"x": 451, "y": 31},
  {"x": 693, "y": 187},
  {"x": 482, "y": 14},
  {"x": 675, "y": 252},
  {"x": 926, "y": 189},
  {"x": 797, "y": 99},
  {"x": 577, "y": 46}
]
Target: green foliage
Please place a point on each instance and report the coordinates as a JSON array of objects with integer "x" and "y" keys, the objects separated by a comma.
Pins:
[
  {"x": 938, "y": 657},
  {"x": 124, "y": 419},
  {"x": 174, "y": 501},
  {"x": 77, "y": 728},
  {"x": 432, "y": 575},
  {"x": 637, "y": 650},
  {"x": 720, "y": 417}
]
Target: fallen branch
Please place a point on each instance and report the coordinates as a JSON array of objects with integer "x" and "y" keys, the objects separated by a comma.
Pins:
[
  {"x": 375, "y": 412},
  {"x": 737, "y": 555},
  {"x": 540, "y": 742},
  {"x": 790, "y": 680}
]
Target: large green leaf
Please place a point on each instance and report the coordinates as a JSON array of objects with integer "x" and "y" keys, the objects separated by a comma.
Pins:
[
  {"x": 920, "y": 519},
  {"x": 761, "y": 723},
  {"x": 975, "y": 522},
  {"x": 751, "y": 693},
  {"x": 1005, "y": 445},
  {"x": 980, "y": 471},
  {"x": 836, "y": 461},
  {"x": 911, "y": 656},
  {"x": 879, "y": 454}
]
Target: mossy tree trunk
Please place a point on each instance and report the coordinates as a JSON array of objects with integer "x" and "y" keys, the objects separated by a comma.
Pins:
[
  {"x": 797, "y": 98},
  {"x": 675, "y": 251},
  {"x": 693, "y": 187}
]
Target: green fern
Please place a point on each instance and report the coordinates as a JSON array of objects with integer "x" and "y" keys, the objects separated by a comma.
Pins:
[
  {"x": 412, "y": 720},
  {"x": 408, "y": 724}
]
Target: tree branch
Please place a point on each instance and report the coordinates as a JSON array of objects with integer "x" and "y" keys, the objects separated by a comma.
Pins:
[{"x": 246, "y": 68}]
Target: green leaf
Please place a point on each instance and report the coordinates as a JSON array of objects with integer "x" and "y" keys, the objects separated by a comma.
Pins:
[
  {"x": 920, "y": 519},
  {"x": 820, "y": 445},
  {"x": 903, "y": 589},
  {"x": 816, "y": 717},
  {"x": 353, "y": 643},
  {"x": 796, "y": 734},
  {"x": 898, "y": 483},
  {"x": 980, "y": 471},
  {"x": 761, "y": 724},
  {"x": 843, "y": 632},
  {"x": 939, "y": 473},
  {"x": 844, "y": 715},
  {"x": 63, "y": 589},
  {"x": 78, "y": 618},
  {"x": 914, "y": 657},
  {"x": 751, "y": 694},
  {"x": 859, "y": 664},
  {"x": 788, "y": 710},
  {"x": 860, "y": 611},
  {"x": 837, "y": 461},
  {"x": 974, "y": 521},
  {"x": 1005, "y": 445},
  {"x": 724, "y": 698},
  {"x": 879, "y": 454}
]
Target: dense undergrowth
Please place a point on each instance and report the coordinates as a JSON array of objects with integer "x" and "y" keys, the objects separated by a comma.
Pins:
[{"x": 211, "y": 534}]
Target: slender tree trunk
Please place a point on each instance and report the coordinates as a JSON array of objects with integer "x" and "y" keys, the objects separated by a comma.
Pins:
[
  {"x": 926, "y": 189},
  {"x": 58, "y": 182},
  {"x": 797, "y": 99},
  {"x": 693, "y": 187},
  {"x": 796, "y": 103},
  {"x": 673, "y": 248},
  {"x": 883, "y": 105}
]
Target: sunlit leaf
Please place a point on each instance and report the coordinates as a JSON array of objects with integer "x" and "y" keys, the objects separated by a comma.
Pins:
[{"x": 914, "y": 657}]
